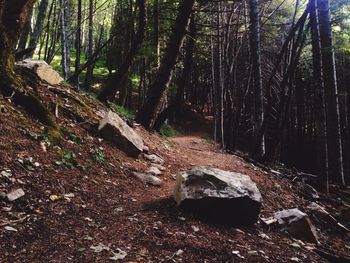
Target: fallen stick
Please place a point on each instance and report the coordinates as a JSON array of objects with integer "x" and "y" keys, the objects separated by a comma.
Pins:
[{"x": 332, "y": 257}]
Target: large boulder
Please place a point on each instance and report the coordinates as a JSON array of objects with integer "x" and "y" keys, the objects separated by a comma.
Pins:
[
  {"x": 220, "y": 196},
  {"x": 44, "y": 71},
  {"x": 115, "y": 130}
]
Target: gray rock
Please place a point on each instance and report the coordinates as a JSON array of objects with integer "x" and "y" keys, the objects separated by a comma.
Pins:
[
  {"x": 154, "y": 158},
  {"x": 44, "y": 71},
  {"x": 154, "y": 170},
  {"x": 16, "y": 194},
  {"x": 148, "y": 178},
  {"x": 221, "y": 196},
  {"x": 298, "y": 224},
  {"x": 115, "y": 130}
]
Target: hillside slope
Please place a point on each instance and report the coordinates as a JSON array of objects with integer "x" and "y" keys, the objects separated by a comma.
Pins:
[{"x": 80, "y": 197}]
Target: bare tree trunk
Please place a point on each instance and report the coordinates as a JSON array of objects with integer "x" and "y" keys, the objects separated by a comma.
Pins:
[
  {"x": 78, "y": 46},
  {"x": 65, "y": 24},
  {"x": 319, "y": 89},
  {"x": 89, "y": 71},
  {"x": 27, "y": 28},
  {"x": 120, "y": 78},
  {"x": 151, "y": 109},
  {"x": 331, "y": 94},
  {"x": 38, "y": 26},
  {"x": 258, "y": 89}
]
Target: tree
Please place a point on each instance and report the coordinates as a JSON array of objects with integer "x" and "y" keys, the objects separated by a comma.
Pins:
[
  {"x": 331, "y": 93},
  {"x": 13, "y": 15},
  {"x": 78, "y": 45},
  {"x": 65, "y": 41},
  {"x": 118, "y": 80},
  {"x": 38, "y": 26},
  {"x": 254, "y": 38},
  {"x": 149, "y": 112}
]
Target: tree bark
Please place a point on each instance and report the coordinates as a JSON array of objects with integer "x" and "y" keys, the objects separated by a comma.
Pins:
[
  {"x": 152, "y": 107},
  {"x": 254, "y": 39},
  {"x": 331, "y": 94},
  {"x": 90, "y": 69},
  {"x": 78, "y": 46},
  {"x": 65, "y": 24},
  {"x": 319, "y": 90},
  {"x": 38, "y": 26}
]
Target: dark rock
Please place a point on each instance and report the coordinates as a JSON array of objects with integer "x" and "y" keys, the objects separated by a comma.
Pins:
[{"x": 220, "y": 196}]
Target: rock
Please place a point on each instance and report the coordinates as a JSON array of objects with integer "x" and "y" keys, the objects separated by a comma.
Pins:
[
  {"x": 115, "y": 130},
  {"x": 154, "y": 158},
  {"x": 148, "y": 179},
  {"x": 221, "y": 196},
  {"x": 154, "y": 170},
  {"x": 298, "y": 224},
  {"x": 16, "y": 194},
  {"x": 44, "y": 71}
]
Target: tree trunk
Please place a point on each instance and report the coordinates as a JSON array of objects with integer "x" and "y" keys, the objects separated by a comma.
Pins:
[
  {"x": 65, "y": 42},
  {"x": 331, "y": 94},
  {"x": 118, "y": 81},
  {"x": 78, "y": 46},
  {"x": 90, "y": 69},
  {"x": 319, "y": 90},
  {"x": 22, "y": 43},
  {"x": 258, "y": 90},
  {"x": 13, "y": 15},
  {"x": 156, "y": 94},
  {"x": 38, "y": 26}
]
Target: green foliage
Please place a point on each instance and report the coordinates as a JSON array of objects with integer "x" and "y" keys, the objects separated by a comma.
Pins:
[
  {"x": 125, "y": 112},
  {"x": 75, "y": 138},
  {"x": 167, "y": 130},
  {"x": 99, "y": 156},
  {"x": 68, "y": 159},
  {"x": 208, "y": 140}
]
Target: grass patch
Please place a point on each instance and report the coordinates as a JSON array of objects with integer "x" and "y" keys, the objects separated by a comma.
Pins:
[
  {"x": 167, "y": 130},
  {"x": 123, "y": 111},
  {"x": 208, "y": 140}
]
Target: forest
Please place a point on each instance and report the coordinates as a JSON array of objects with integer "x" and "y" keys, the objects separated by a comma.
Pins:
[{"x": 227, "y": 84}]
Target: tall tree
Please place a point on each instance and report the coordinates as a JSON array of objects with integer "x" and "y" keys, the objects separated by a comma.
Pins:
[
  {"x": 78, "y": 45},
  {"x": 118, "y": 80},
  {"x": 331, "y": 93},
  {"x": 156, "y": 94},
  {"x": 38, "y": 26},
  {"x": 256, "y": 65},
  {"x": 65, "y": 39},
  {"x": 90, "y": 69},
  {"x": 319, "y": 88}
]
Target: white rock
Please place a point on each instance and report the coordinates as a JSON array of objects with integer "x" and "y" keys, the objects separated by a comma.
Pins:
[
  {"x": 148, "y": 179},
  {"x": 154, "y": 158},
  {"x": 117, "y": 131},
  {"x": 14, "y": 195},
  {"x": 44, "y": 71}
]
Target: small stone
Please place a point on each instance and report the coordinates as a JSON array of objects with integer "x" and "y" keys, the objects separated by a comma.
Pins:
[
  {"x": 154, "y": 158},
  {"x": 16, "y": 194},
  {"x": 148, "y": 179},
  {"x": 154, "y": 170},
  {"x": 9, "y": 228},
  {"x": 195, "y": 228}
]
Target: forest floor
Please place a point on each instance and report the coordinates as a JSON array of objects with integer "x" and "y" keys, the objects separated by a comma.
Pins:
[{"x": 82, "y": 204}]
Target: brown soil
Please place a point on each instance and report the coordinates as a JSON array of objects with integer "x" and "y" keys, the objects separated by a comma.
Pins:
[{"x": 111, "y": 207}]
